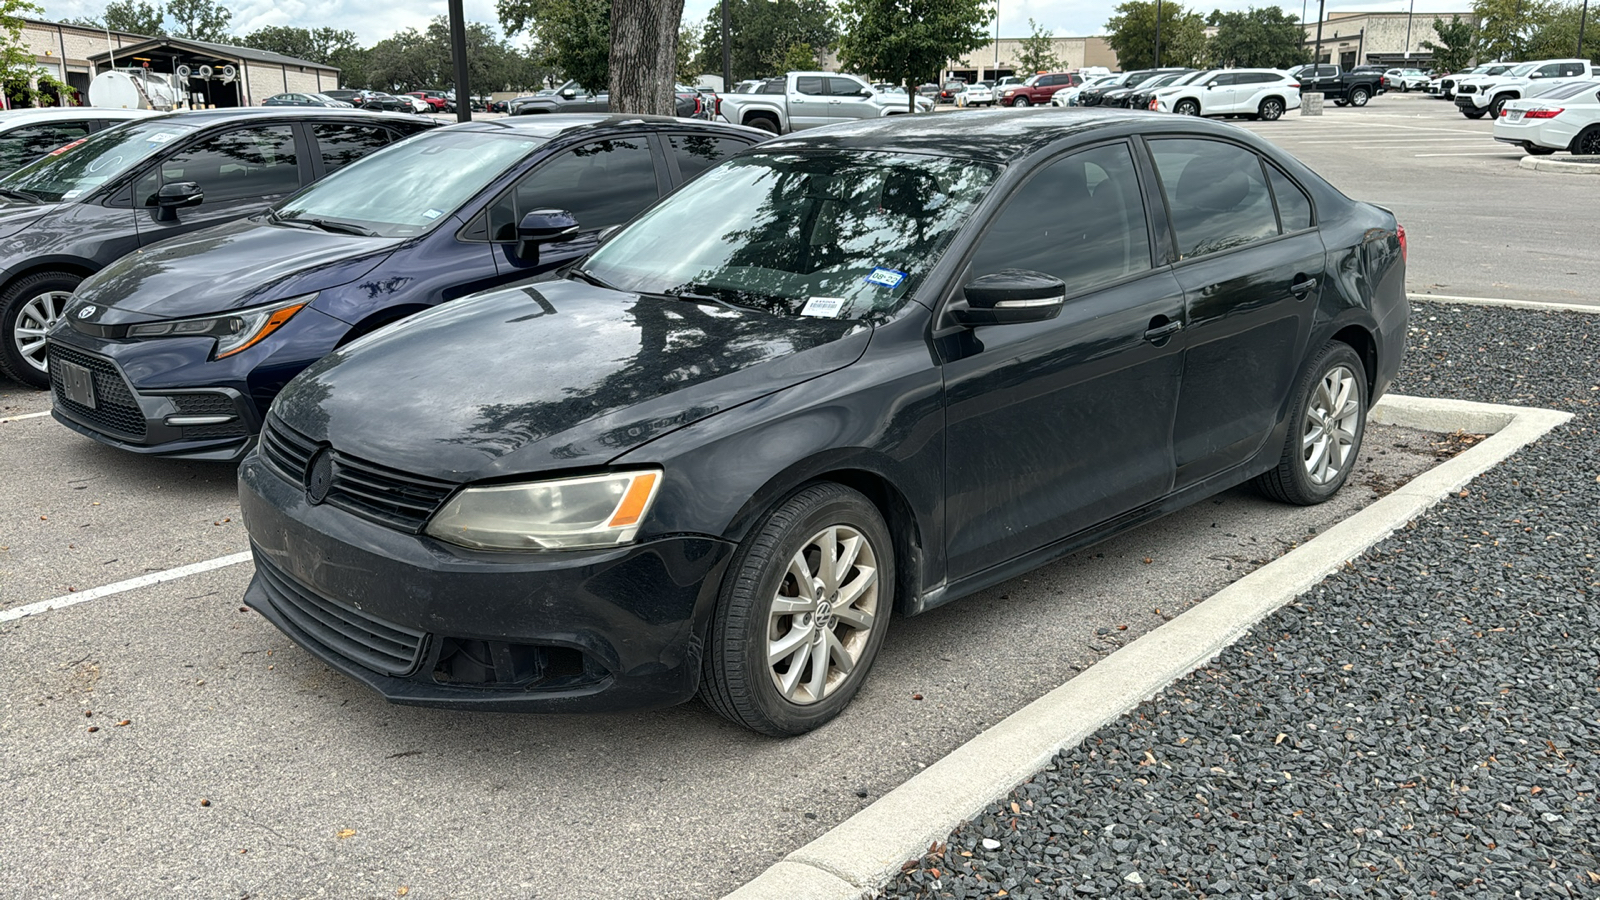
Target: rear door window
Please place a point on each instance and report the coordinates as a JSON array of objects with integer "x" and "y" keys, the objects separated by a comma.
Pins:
[
  {"x": 1216, "y": 193},
  {"x": 810, "y": 84},
  {"x": 342, "y": 145},
  {"x": 1081, "y": 219},
  {"x": 601, "y": 184}
]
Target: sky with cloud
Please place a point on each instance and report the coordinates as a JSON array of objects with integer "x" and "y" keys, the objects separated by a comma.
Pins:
[{"x": 373, "y": 20}]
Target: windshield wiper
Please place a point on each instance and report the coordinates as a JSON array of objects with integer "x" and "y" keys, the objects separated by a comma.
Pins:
[
  {"x": 592, "y": 278},
  {"x": 707, "y": 298},
  {"x": 339, "y": 227},
  {"x": 24, "y": 195}
]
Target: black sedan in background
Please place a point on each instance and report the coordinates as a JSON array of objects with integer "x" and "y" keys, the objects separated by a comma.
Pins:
[
  {"x": 92, "y": 202},
  {"x": 848, "y": 375},
  {"x": 201, "y": 331}
]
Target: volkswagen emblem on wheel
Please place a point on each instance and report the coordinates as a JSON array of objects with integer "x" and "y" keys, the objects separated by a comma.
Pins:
[
  {"x": 321, "y": 477},
  {"x": 88, "y": 311}
]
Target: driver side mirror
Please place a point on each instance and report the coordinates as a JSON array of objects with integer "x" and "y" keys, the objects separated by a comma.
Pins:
[
  {"x": 175, "y": 196},
  {"x": 1011, "y": 297},
  {"x": 543, "y": 226},
  {"x": 568, "y": 94}
]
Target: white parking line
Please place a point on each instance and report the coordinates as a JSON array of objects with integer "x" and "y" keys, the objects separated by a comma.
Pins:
[
  {"x": 24, "y": 416},
  {"x": 132, "y": 584},
  {"x": 1479, "y": 153}
]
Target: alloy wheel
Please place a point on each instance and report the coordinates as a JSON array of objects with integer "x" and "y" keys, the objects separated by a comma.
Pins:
[
  {"x": 34, "y": 321},
  {"x": 823, "y": 614},
  {"x": 1588, "y": 143},
  {"x": 1272, "y": 109},
  {"x": 1329, "y": 431}
]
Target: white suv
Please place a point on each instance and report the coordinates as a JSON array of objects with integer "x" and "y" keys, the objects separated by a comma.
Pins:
[
  {"x": 1479, "y": 97},
  {"x": 1263, "y": 93}
]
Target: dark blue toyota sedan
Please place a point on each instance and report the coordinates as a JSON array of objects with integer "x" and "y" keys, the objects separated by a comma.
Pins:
[{"x": 179, "y": 350}]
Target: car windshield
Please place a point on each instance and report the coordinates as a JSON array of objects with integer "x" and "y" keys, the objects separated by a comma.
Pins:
[
  {"x": 1190, "y": 78},
  {"x": 407, "y": 188},
  {"x": 81, "y": 166},
  {"x": 1522, "y": 70},
  {"x": 838, "y": 234}
]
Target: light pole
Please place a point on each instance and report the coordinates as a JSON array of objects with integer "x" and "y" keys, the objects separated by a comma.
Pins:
[
  {"x": 1316, "y": 56},
  {"x": 458, "y": 50},
  {"x": 997, "y": 40},
  {"x": 1583, "y": 17},
  {"x": 1158, "y": 36},
  {"x": 727, "y": 52},
  {"x": 1408, "y": 27}
]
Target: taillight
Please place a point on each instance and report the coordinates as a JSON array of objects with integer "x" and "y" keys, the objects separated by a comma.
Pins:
[
  {"x": 1543, "y": 113},
  {"x": 698, "y": 106},
  {"x": 1400, "y": 230},
  {"x": 718, "y": 111}
]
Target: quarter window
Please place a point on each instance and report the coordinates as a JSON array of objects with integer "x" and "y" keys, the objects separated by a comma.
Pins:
[
  {"x": 235, "y": 165},
  {"x": 1080, "y": 219},
  {"x": 342, "y": 145},
  {"x": 1216, "y": 193},
  {"x": 1294, "y": 207},
  {"x": 602, "y": 184}
]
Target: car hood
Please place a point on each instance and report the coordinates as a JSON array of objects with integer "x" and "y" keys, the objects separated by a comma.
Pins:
[
  {"x": 551, "y": 376},
  {"x": 232, "y": 266},
  {"x": 15, "y": 216}
]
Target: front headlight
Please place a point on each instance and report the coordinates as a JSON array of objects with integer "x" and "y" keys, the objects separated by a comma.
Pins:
[
  {"x": 234, "y": 331},
  {"x": 562, "y": 514}
]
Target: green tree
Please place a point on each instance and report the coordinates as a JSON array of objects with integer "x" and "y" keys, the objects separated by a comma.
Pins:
[
  {"x": 318, "y": 45},
  {"x": 1038, "y": 53},
  {"x": 1557, "y": 34},
  {"x": 910, "y": 40},
  {"x": 21, "y": 77},
  {"x": 131, "y": 16},
  {"x": 1504, "y": 26},
  {"x": 1266, "y": 38},
  {"x": 200, "y": 20},
  {"x": 1456, "y": 44},
  {"x": 688, "y": 54},
  {"x": 1132, "y": 35},
  {"x": 764, "y": 34},
  {"x": 572, "y": 37}
]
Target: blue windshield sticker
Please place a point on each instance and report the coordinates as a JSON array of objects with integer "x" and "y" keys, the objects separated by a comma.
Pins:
[
  {"x": 885, "y": 278},
  {"x": 433, "y": 214}
]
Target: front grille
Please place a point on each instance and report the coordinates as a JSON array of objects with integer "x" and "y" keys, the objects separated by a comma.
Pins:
[
  {"x": 383, "y": 647},
  {"x": 115, "y": 409},
  {"x": 1467, "y": 89},
  {"x": 375, "y": 492}
]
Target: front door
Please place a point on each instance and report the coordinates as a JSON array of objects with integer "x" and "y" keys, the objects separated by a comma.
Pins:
[
  {"x": 1251, "y": 286},
  {"x": 242, "y": 171},
  {"x": 1053, "y": 427},
  {"x": 846, "y": 103}
]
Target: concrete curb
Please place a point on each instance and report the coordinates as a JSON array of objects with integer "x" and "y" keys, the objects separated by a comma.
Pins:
[
  {"x": 1547, "y": 164},
  {"x": 861, "y": 854},
  {"x": 1545, "y": 305}
]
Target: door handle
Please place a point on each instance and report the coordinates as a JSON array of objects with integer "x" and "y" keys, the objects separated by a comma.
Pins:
[
  {"x": 1161, "y": 328},
  {"x": 1302, "y": 286}
]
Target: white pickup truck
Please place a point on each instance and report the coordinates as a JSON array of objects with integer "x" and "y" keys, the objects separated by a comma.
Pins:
[
  {"x": 1483, "y": 95},
  {"x": 808, "y": 99}
]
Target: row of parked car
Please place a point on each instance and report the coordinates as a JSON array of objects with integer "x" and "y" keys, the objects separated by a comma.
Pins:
[
  {"x": 499, "y": 453},
  {"x": 1485, "y": 90}
]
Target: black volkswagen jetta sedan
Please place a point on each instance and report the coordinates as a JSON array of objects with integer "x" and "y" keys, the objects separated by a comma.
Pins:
[
  {"x": 846, "y": 375},
  {"x": 96, "y": 200}
]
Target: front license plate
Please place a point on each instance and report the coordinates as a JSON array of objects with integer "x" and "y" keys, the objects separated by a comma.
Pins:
[{"x": 77, "y": 382}]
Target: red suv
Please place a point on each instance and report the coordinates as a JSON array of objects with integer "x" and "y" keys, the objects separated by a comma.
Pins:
[
  {"x": 1038, "y": 89},
  {"x": 435, "y": 99}
]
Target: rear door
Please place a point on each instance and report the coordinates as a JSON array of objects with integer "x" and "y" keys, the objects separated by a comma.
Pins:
[
  {"x": 1251, "y": 267},
  {"x": 242, "y": 171},
  {"x": 809, "y": 103}
]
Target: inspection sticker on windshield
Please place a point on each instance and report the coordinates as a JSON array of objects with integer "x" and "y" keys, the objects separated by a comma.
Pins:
[
  {"x": 432, "y": 213},
  {"x": 161, "y": 137},
  {"x": 888, "y": 278},
  {"x": 823, "y": 307},
  {"x": 70, "y": 194}
]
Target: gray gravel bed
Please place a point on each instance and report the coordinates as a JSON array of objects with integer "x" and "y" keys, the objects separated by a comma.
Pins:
[{"x": 1425, "y": 722}]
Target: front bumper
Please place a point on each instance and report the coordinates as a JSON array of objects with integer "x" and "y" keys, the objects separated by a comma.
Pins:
[
  {"x": 429, "y": 624},
  {"x": 1470, "y": 101}
]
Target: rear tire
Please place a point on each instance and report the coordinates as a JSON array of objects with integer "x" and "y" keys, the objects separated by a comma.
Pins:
[
  {"x": 817, "y": 576},
  {"x": 27, "y": 310},
  {"x": 1329, "y": 419},
  {"x": 1587, "y": 143},
  {"x": 1359, "y": 97},
  {"x": 1271, "y": 109},
  {"x": 764, "y": 124},
  {"x": 1187, "y": 108}
]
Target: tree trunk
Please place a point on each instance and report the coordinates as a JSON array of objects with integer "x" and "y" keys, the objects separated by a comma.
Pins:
[{"x": 644, "y": 55}]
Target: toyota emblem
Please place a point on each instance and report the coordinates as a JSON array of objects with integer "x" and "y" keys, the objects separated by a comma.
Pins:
[
  {"x": 321, "y": 478},
  {"x": 88, "y": 311}
]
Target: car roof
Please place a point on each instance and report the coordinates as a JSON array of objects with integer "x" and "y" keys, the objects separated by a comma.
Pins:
[
  {"x": 1000, "y": 135},
  {"x": 204, "y": 118},
  {"x": 559, "y": 125},
  {"x": 13, "y": 118}
]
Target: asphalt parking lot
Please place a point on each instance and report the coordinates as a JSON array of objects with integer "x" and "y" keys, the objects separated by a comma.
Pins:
[{"x": 224, "y": 762}]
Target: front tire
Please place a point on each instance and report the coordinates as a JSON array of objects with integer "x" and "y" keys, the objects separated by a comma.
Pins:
[
  {"x": 1187, "y": 108},
  {"x": 1497, "y": 104},
  {"x": 28, "y": 308},
  {"x": 803, "y": 610},
  {"x": 1473, "y": 113},
  {"x": 1021, "y": 102},
  {"x": 1271, "y": 109},
  {"x": 1324, "y": 439}
]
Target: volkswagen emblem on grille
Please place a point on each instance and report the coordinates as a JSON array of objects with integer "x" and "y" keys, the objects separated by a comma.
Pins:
[
  {"x": 88, "y": 311},
  {"x": 321, "y": 477}
]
